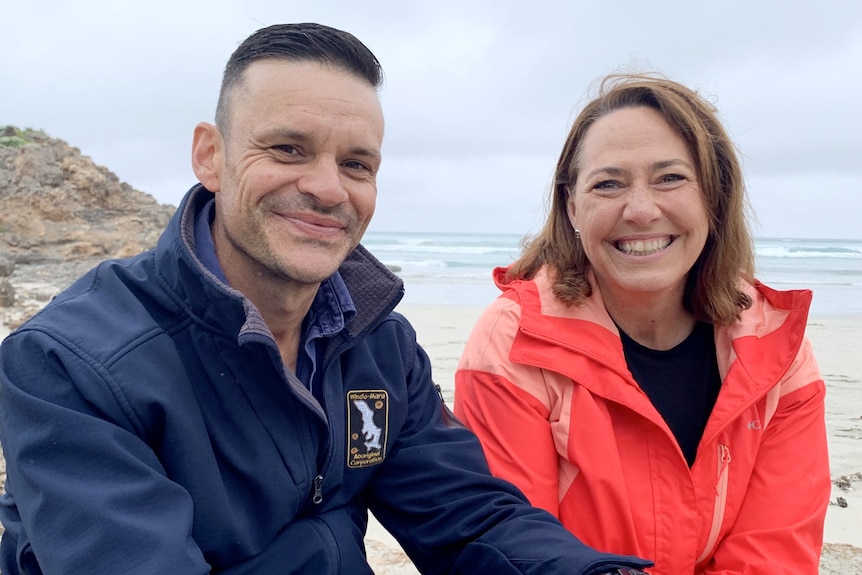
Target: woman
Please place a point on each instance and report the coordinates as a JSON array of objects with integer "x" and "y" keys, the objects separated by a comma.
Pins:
[{"x": 634, "y": 378}]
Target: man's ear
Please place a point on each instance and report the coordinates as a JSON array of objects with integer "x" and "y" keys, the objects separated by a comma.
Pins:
[{"x": 208, "y": 156}]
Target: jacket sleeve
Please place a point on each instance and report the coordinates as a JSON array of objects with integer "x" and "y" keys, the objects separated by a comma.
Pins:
[
  {"x": 85, "y": 494},
  {"x": 489, "y": 402},
  {"x": 779, "y": 528},
  {"x": 437, "y": 496}
]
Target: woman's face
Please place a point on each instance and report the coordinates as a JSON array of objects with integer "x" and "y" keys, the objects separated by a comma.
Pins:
[{"x": 638, "y": 206}]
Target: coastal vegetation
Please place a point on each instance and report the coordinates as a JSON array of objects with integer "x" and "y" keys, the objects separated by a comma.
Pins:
[{"x": 12, "y": 137}]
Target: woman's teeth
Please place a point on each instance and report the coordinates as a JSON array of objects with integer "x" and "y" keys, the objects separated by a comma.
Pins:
[{"x": 643, "y": 247}]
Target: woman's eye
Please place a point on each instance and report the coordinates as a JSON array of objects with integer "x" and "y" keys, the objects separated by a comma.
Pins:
[
  {"x": 608, "y": 188},
  {"x": 672, "y": 178},
  {"x": 606, "y": 185}
]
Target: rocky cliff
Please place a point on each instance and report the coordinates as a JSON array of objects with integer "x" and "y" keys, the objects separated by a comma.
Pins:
[{"x": 60, "y": 213}]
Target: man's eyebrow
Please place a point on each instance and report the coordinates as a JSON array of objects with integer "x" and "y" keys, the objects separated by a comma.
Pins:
[
  {"x": 285, "y": 134},
  {"x": 367, "y": 152}
]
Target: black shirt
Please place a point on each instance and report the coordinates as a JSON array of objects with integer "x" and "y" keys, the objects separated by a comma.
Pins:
[{"x": 682, "y": 383}]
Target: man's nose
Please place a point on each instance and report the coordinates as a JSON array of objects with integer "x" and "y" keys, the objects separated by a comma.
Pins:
[{"x": 322, "y": 179}]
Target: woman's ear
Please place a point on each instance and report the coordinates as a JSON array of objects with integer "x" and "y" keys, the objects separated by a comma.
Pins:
[
  {"x": 208, "y": 156},
  {"x": 570, "y": 206}
]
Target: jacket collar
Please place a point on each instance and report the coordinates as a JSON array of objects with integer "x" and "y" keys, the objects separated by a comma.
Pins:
[
  {"x": 558, "y": 337},
  {"x": 374, "y": 289}
]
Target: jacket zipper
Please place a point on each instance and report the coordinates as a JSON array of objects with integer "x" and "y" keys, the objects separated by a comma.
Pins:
[
  {"x": 328, "y": 358},
  {"x": 317, "y": 482},
  {"x": 322, "y": 466},
  {"x": 720, "y": 501},
  {"x": 317, "y": 495}
]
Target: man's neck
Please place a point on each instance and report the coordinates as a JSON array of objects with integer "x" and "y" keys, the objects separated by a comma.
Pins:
[{"x": 283, "y": 306}]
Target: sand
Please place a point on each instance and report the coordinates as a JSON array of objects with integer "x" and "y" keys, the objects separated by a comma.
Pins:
[{"x": 443, "y": 330}]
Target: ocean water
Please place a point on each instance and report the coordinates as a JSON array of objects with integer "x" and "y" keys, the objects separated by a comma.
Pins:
[{"x": 456, "y": 268}]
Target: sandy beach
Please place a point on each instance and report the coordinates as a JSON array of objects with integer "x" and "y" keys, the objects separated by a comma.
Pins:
[{"x": 443, "y": 329}]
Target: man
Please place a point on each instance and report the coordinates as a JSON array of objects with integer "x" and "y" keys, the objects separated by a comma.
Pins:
[{"x": 237, "y": 399}]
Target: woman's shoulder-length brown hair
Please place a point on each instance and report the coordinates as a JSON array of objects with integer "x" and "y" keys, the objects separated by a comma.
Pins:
[{"x": 713, "y": 291}]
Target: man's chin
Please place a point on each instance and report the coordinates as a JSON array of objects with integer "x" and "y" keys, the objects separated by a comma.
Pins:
[{"x": 310, "y": 270}]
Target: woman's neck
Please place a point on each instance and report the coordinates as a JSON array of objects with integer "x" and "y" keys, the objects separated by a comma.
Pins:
[{"x": 659, "y": 323}]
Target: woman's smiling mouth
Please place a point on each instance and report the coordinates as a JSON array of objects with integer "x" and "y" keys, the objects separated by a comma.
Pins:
[{"x": 643, "y": 247}]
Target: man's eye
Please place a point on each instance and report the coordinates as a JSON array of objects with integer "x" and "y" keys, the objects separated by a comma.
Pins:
[
  {"x": 353, "y": 165},
  {"x": 287, "y": 149}
]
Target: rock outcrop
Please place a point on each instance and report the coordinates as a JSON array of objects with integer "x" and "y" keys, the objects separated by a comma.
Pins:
[{"x": 61, "y": 213}]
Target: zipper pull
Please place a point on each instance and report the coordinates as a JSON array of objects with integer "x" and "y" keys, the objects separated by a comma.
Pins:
[
  {"x": 439, "y": 392},
  {"x": 317, "y": 496},
  {"x": 725, "y": 455},
  {"x": 723, "y": 462},
  {"x": 448, "y": 417}
]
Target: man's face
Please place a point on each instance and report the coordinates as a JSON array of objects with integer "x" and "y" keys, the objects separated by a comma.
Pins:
[{"x": 296, "y": 182}]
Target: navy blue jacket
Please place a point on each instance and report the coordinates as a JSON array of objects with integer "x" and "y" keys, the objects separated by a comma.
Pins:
[{"x": 149, "y": 426}]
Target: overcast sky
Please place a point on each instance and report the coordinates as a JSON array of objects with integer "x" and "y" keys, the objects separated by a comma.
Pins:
[{"x": 478, "y": 95}]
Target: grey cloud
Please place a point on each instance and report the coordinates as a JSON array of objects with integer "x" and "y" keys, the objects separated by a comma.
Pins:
[{"x": 478, "y": 95}]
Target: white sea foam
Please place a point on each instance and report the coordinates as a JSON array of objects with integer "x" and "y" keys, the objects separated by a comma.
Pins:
[{"x": 456, "y": 268}]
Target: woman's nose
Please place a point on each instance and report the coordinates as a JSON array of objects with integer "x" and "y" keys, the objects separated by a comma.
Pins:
[{"x": 641, "y": 205}]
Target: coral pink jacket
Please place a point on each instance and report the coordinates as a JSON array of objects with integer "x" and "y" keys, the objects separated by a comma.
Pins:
[{"x": 547, "y": 390}]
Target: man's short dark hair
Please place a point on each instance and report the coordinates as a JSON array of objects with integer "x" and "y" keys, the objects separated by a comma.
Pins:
[{"x": 297, "y": 43}]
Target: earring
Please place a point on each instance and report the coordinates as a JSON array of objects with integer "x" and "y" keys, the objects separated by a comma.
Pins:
[{"x": 577, "y": 234}]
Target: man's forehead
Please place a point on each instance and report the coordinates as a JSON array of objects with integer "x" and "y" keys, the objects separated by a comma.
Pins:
[
  {"x": 300, "y": 72},
  {"x": 302, "y": 92},
  {"x": 305, "y": 82}
]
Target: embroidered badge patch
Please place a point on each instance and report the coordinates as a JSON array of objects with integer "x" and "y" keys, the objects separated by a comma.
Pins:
[{"x": 367, "y": 427}]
